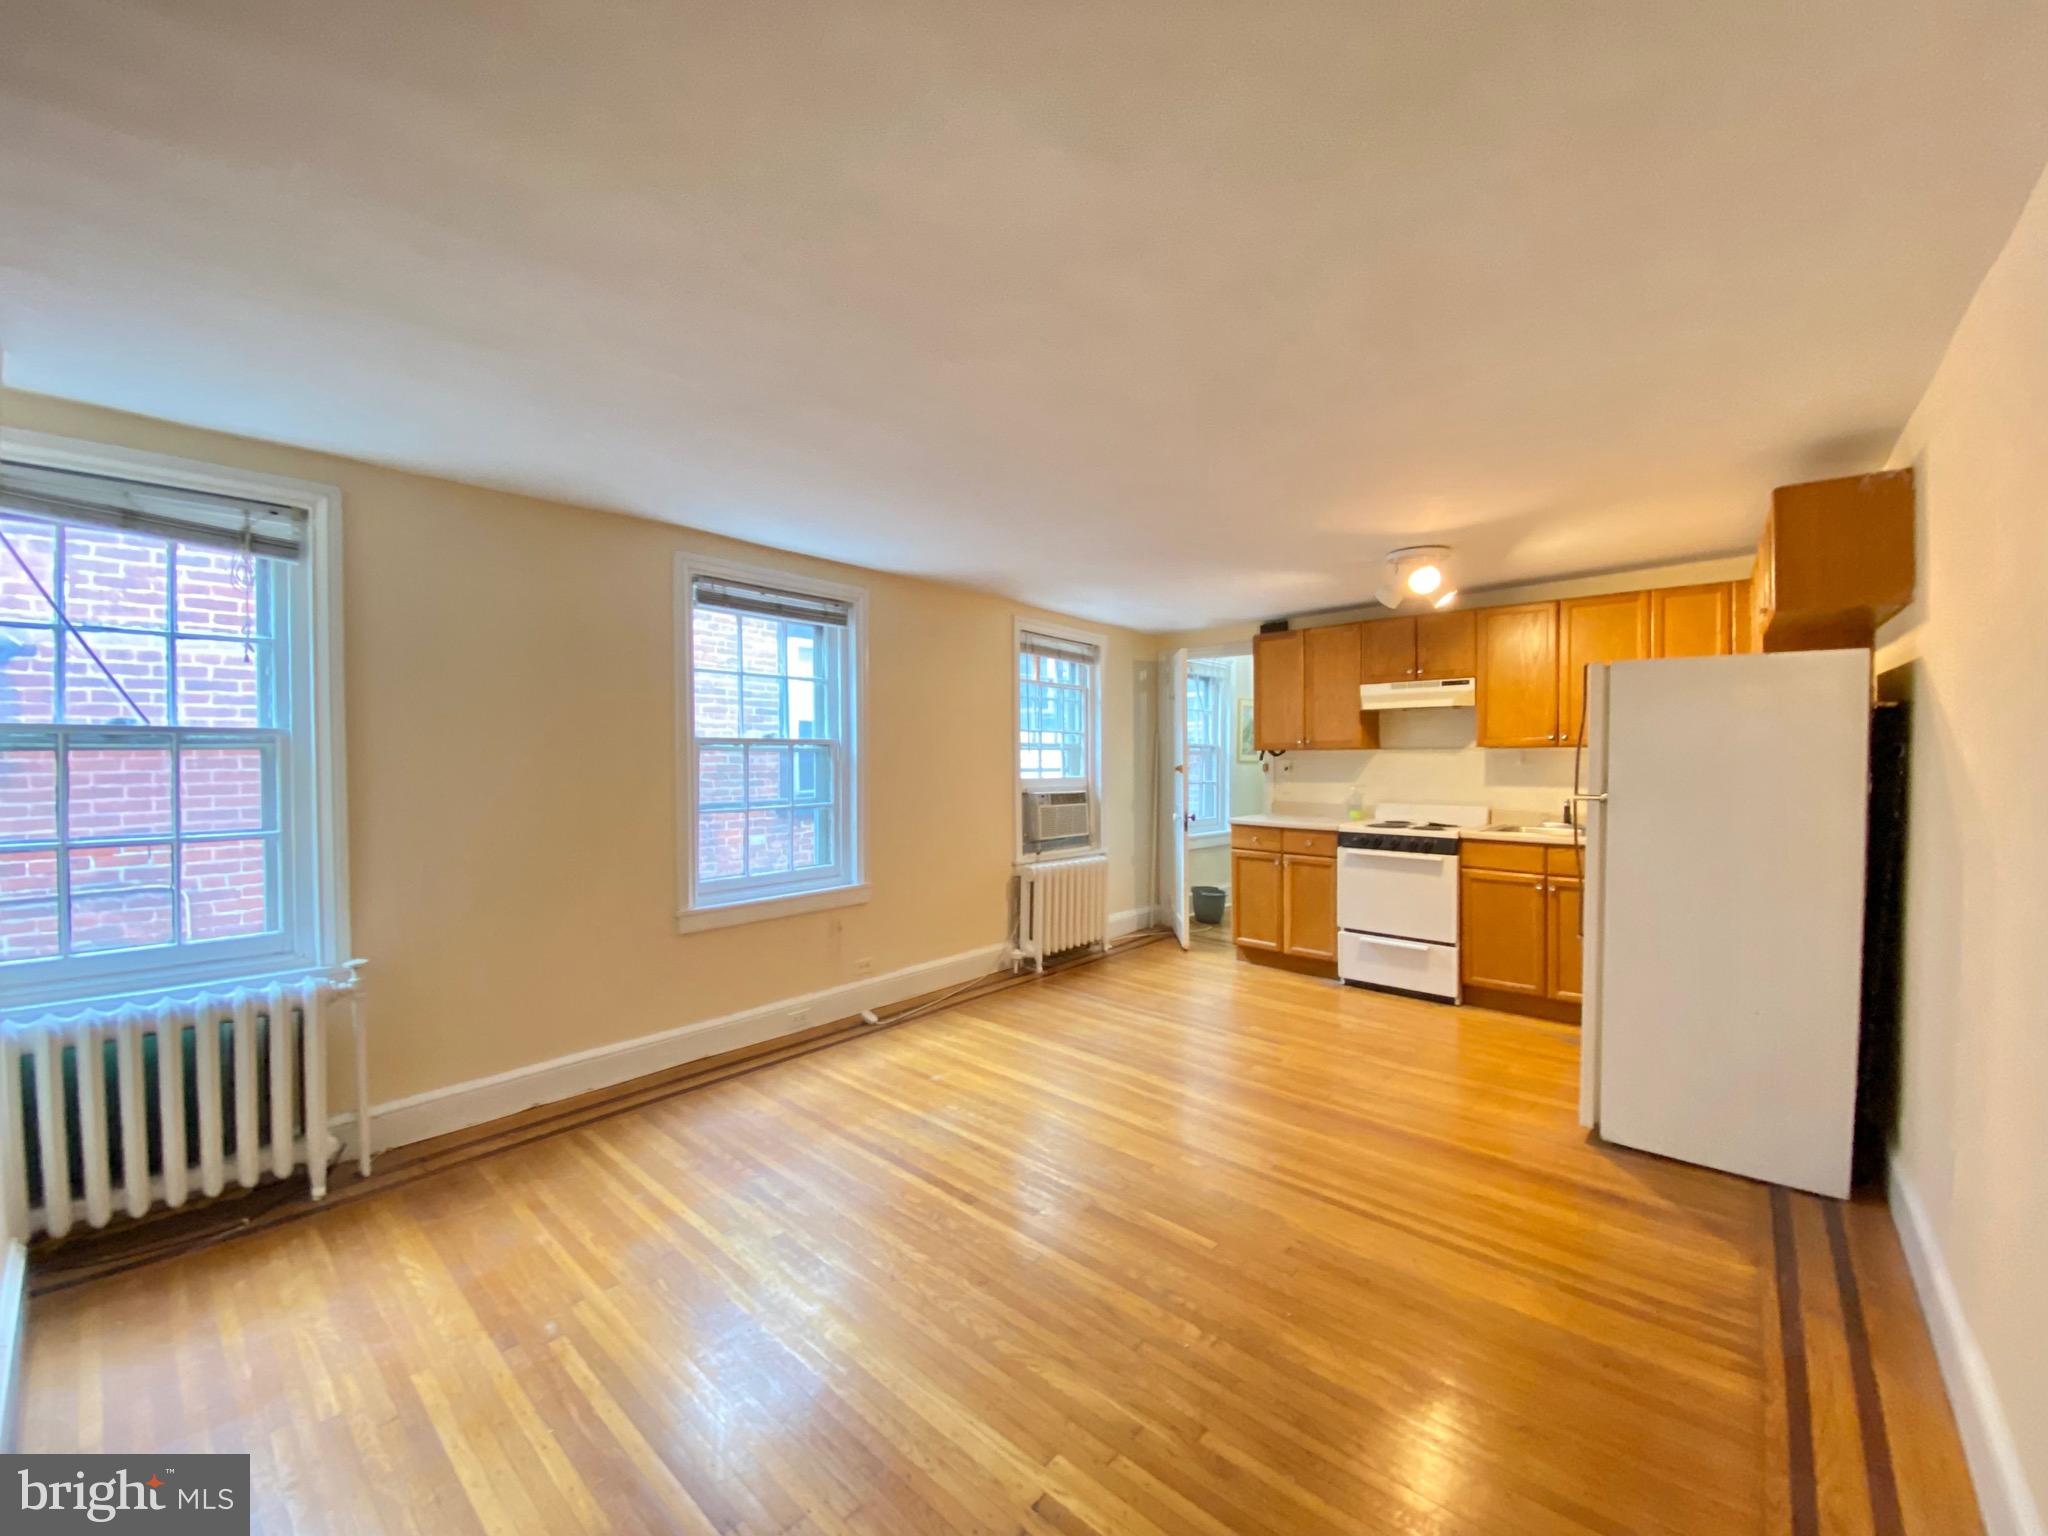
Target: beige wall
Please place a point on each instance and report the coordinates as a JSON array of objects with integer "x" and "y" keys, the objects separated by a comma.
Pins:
[
  {"x": 1973, "y": 1138},
  {"x": 510, "y": 703},
  {"x": 1428, "y": 755}
]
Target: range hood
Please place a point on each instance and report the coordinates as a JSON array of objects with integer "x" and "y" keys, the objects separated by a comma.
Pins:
[{"x": 1438, "y": 693}]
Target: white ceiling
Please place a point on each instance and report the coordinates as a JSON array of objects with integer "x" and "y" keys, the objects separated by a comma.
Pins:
[{"x": 1156, "y": 311}]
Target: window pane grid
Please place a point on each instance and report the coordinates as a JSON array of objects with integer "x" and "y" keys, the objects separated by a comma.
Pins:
[
  {"x": 57, "y": 785},
  {"x": 1053, "y": 719},
  {"x": 118, "y": 834},
  {"x": 148, "y": 609},
  {"x": 1208, "y": 804},
  {"x": 771, "y": 765}
]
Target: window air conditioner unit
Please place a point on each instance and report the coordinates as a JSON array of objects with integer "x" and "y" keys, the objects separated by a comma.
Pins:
[{"x": 1056, "y": 817}]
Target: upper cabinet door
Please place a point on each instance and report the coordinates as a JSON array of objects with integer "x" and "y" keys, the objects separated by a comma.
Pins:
[
  {"x": 1692, "y": 621},
  {"x": 1615, "y": 627},
  {"x": 1277, "y": 677},
  {"x": 1742, "y": 612},
  {"x": 1517, "y": 675},
  {"x": 1330, "y": 689},
  {"x": 1447, "y": 644},
  {"x": 1386, "y": 651}
]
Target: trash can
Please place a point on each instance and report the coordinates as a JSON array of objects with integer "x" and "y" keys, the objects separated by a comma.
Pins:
[{"x": 1209, "y": 901}]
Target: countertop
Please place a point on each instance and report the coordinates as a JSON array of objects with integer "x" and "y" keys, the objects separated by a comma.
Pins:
[
  {"x": 1299, "y": 821},
  {"x": 1323, "y": 821}
]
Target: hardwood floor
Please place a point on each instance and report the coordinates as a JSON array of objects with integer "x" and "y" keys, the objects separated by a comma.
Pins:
[{"x": 1169, "y": 1243}]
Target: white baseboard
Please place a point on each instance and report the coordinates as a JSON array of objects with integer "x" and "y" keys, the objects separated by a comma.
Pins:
[
  {"x": 1136, "y": 920},
  {"x": 13, "y": 1320},
  {"x": 2008, "y": 1504},
  {"x": 461, "y": 1105}
]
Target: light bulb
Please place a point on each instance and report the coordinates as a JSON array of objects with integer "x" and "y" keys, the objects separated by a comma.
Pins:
[
  {"x": 1445, "y": 600},
  {"x": 1425, "y": 579}
]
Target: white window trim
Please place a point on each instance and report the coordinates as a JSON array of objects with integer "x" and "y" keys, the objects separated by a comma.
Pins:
[
  {"x": 1019, "y": 627},
  {"x": 693, "y": 916},
  {"x": 316, "y": 763}
]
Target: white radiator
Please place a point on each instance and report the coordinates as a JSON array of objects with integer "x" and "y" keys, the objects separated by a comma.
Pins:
[
  {"x": 1062, "y": 904},
  {"x": 240, "y": 1091}
]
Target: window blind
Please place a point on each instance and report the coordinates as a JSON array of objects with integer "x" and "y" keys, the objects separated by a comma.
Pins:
[
  {"x": 1059, "y": 650},
  {"x": 168, "y": 512},
  {"x": 738, "y": 596}
]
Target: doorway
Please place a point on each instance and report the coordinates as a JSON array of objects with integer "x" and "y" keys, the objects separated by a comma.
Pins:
[{"x": 1213, "y": 773}]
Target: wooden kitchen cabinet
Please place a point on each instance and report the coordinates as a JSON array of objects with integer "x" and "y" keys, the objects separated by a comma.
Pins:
[
  {"x": 1693, "y": 621},
  {"x": 1612, "y": 627},
  {"x": 1517, "y": 655},
  {"x": 1835, "y": 561},
  {"x": 1564, "y": 962},
  {"x": 1386, "y": 651},
  {"x": 1447, "y": 644},
  {"x": 1742, "y": 617},
  {"x": 1332, "y": 718},
  {"x": 1503, "y": 931},
  {"x": 1284, "y": 891},
  {"x": 1279, "y": 697},
  {"x": 1257, "y": 901},
  {"x": 1518, "y": 922},
  {"x": 1309, "y": 906},
  {"x": 1305, "y": 691}
]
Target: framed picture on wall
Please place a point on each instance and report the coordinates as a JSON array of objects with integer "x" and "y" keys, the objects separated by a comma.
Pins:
[{"x": 1246, "y": 751}]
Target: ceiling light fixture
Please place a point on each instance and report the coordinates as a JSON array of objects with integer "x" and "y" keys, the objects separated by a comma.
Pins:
[{"x": 1422, "y": 570}]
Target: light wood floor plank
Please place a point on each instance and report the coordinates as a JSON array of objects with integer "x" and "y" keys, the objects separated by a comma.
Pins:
[{"x": 1169, "y": 1244}]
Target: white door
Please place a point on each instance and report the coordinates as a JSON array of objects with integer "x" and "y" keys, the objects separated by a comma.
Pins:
[{"x": 1176, "y": 829}]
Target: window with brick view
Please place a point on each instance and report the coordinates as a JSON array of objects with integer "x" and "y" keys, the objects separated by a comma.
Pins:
[
  {"x": 771, "y": 739},
  {"x": 146, "y": 729}
]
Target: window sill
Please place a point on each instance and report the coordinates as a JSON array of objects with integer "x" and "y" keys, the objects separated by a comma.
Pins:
[
  {"x": 1210, "y": 839},
  {"x": 733, "y": 914},
  {"x": 109, "y": 996}
]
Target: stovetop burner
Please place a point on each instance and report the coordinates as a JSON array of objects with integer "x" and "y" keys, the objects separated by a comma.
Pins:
[{"x": 1413, "y": 826}]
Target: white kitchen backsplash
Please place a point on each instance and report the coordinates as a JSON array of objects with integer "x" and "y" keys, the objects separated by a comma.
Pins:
[{"x": 1425, "y": 755}]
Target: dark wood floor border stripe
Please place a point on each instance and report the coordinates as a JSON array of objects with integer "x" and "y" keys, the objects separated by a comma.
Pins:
[
  {"x": 1885, "y": 1515},
  {"x": 1798, "y": 1396},
  {"x": 289, "y": 1201}
]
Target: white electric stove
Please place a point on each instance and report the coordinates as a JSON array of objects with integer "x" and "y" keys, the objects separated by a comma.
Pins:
[{"x": 1397, "y": 897}]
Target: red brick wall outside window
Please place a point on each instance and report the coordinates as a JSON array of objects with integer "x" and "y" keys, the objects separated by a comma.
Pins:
[
  {"x": 150, "y": 819},
  {"x": 763, "y": 692}
]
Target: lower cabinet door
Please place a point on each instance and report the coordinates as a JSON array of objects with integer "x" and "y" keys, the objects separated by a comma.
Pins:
[
  {"x": 1565, "y": 962},
  {"x": 1503, "y": 931},
  {"x": 1256, "y": 899},
  {"x": 1310, "y": 907}
]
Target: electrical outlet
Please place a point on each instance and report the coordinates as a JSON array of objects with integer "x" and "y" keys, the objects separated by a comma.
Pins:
[{"x": 864, "y": 966}]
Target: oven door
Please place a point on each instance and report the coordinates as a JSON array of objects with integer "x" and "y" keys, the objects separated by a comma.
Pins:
[
  {"x": 1399, "y": 895},
  {"x": 1406, "y": 964}
]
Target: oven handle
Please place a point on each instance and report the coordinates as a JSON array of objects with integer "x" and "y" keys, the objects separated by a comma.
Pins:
[
  {"x": 1371, "y": 938},
  {"x": 1390, "y": 853}
]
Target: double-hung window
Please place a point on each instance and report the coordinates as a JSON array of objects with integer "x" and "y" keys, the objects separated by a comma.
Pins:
[
  {"x": 1059, "y": 731},
  {"x": 770, "y": 725},
  {"x": 1208, "y": 782},
  {"x": 167, "y": 810}
]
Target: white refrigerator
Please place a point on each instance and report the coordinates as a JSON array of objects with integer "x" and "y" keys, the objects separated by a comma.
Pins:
[{"x": 1724, "y": 803}]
